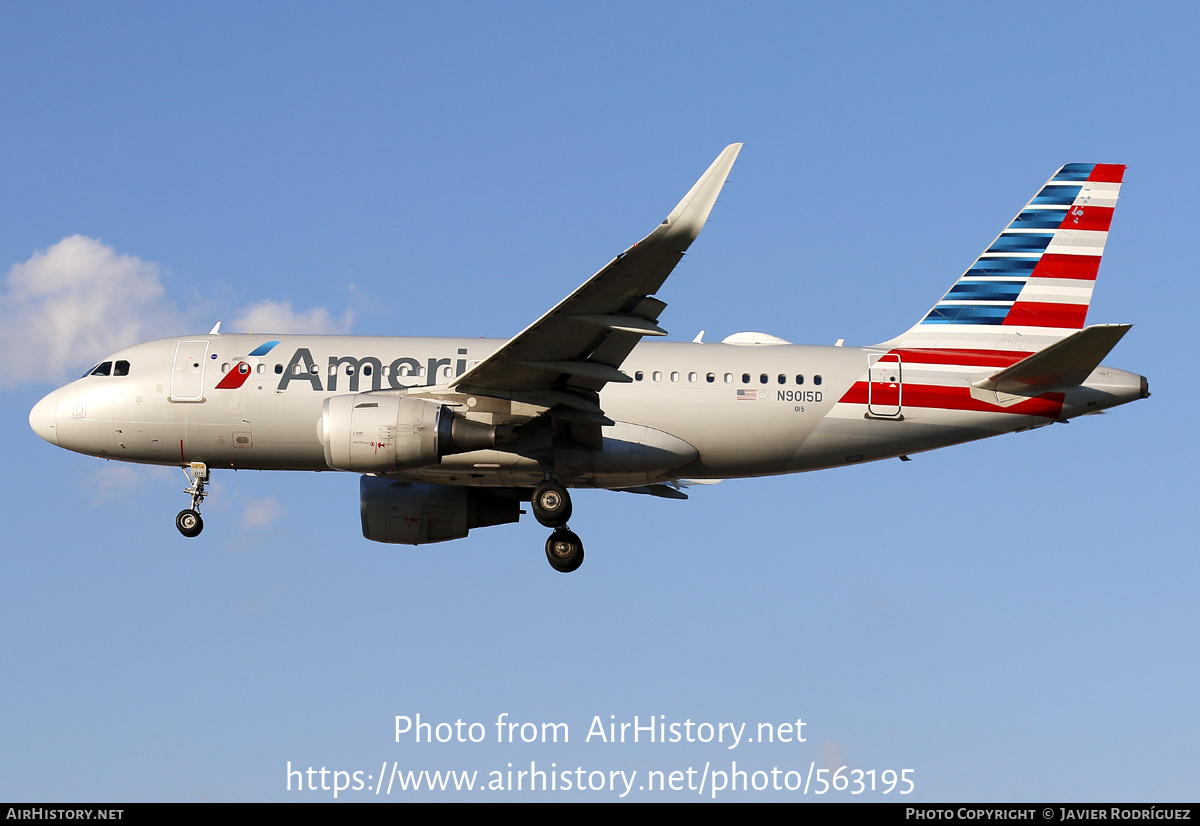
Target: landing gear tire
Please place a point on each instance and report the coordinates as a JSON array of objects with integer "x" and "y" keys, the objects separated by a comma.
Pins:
[
  {"x": 551, "y": 505},
  {"x": 189, "y": 523},
  {"x": 564, "y": 550}
]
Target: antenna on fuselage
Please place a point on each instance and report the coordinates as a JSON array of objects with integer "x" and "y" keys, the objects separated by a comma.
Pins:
[{"x": 216, "y": 330}]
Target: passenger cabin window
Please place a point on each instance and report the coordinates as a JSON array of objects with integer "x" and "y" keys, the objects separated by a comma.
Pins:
[
  {"x": 278, "y": 369},
  {"x": 799, "y": 378},
  {"x": 763, "y": 379},
  {"x": 639, "y": 375},
  {"x": 816, "y": 379},
  {"x": 104, "y": 368},
  {"x": 745, "y": 378}
]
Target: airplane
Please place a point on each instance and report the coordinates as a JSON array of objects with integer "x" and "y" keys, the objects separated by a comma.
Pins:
[{"x": 452, "y": 434}]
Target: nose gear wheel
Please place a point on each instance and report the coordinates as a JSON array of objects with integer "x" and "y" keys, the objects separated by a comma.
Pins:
[{"x": 189, "y": 523}]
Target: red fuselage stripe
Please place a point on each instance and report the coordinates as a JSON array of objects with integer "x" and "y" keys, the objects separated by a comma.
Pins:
[
  {"x": 937, "y": 397},
  {"x": 966, "y": 358}
]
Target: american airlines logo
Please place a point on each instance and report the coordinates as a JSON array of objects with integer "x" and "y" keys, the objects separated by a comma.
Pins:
[
  {"x": 366, "y": 372},
  {"x": 398, "y": 373}
]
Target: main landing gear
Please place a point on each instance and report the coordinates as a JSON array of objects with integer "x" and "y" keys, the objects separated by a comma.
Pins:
[
  {"x": 552, "y": 507},
  {"x": 188, "y": 521}
]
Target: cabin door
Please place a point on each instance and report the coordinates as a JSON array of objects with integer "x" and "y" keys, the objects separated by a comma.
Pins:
[{"x": 187, "y": 376}]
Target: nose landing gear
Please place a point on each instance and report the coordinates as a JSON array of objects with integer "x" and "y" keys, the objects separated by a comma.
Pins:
[
  {"x": 188, "y": 521},
  {"x": 552, "y": 507}
]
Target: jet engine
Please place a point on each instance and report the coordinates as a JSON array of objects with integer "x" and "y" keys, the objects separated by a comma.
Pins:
[
  {"x": 415, "y": 514},
  {"x": 377, "y": 433}
]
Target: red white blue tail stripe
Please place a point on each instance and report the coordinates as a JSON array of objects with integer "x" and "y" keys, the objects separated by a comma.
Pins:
[
  {"x": 1029, "y": 289},
  {"x": 1033, "y": 284}
]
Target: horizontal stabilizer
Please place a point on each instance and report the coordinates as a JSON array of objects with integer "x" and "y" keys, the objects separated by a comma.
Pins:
[{"x": 1065, "y": 363}]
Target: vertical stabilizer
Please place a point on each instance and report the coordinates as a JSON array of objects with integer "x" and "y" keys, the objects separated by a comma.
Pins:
[{"x": 1032, "y": 286}]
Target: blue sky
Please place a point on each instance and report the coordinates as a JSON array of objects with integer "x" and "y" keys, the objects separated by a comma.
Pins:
[{"x": 1013, "y": 620}]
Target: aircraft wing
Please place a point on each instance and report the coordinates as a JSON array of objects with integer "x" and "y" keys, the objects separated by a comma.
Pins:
[{"x": 565, "y": 358}]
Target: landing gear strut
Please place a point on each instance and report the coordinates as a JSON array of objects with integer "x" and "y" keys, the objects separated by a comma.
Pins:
[
  {"x": 552, "y": 507},
  {"x": 188, "y": 521}
]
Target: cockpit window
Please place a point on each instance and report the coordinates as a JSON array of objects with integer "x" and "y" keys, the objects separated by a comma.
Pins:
[
  {"x": 104, "y": 368},
  {"x": 121, "y": 368}
]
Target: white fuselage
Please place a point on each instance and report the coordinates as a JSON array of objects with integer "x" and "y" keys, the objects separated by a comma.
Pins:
[{"x": 694, "y": 410}]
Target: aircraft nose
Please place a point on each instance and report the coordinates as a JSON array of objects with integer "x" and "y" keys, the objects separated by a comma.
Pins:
[{"x": 41, "y": 418}]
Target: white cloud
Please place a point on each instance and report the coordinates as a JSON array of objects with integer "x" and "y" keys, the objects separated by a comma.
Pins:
[
  {"x": 259, "y": 513},
  {"x": 115, "y": 481},
  {"x": 831, "y": 754},
  {"x": 279, "y": 317},
  {"x": 74, "y": 302}
]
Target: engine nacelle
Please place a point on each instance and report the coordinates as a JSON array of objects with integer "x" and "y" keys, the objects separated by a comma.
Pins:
[
  {"x": 415, "y": 514},
  {"x": 377, "y": 433}
]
